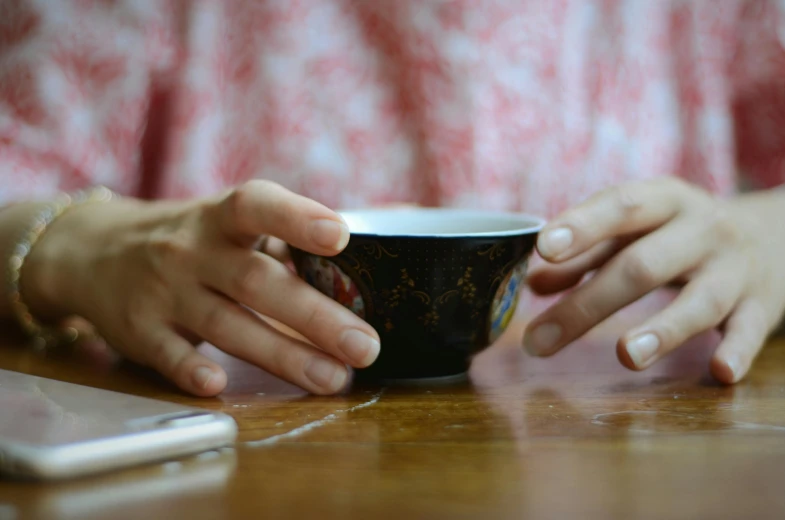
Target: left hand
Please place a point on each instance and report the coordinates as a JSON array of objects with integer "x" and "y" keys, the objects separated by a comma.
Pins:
[{"x": 729, "y": 254}]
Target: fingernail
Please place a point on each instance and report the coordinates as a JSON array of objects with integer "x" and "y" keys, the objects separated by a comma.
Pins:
[
  {"x": 734, "y": 365},
  {"x": 554, "y": 242},
  {"x": 542, "y": 339},
  {"x": 325, "y": 374},
  {"x": 329, "y": 234},
  {"x": 359, "y": 347},
  {"x": 202, "y": 377},
  {"x": 642, "y": 348}
]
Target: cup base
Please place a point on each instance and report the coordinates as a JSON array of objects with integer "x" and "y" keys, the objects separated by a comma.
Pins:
[
  {"x": 427, "y": 381},
  {"x": 441, "y": 380}
]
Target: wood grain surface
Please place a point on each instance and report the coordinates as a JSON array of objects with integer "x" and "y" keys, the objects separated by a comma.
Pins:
[{"x": 573, "y": 436}]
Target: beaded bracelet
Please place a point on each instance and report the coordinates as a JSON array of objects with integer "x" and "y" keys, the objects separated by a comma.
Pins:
[{"x": 43, "y": 336}]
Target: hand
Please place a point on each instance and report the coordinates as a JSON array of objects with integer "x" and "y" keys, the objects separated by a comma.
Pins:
[
  {"x": 641, "y": 236},
  {"x": 158, "y": 278}
]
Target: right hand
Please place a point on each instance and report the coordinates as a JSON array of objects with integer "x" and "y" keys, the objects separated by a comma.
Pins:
[{"x": 155, "y": 279}]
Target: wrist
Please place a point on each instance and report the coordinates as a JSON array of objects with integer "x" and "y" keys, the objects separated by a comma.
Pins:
[
  {"x": 51, "y": 269},
  {"x": 75, "y": 257}
]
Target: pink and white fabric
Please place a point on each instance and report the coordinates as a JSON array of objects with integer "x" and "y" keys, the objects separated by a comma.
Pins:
[{"x": 504, "y": 104}]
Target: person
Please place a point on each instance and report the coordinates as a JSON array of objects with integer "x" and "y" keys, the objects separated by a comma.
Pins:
[{"x": 220, "y": 123}]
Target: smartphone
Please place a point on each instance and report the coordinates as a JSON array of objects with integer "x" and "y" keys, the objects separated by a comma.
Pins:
[{"x": 53, "y": 430}]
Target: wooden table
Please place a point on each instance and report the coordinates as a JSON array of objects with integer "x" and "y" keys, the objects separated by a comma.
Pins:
[{"x": 575, "y": 436}]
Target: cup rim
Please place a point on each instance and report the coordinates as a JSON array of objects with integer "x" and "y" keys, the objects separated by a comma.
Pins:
[{"x": 528, "y": 224}]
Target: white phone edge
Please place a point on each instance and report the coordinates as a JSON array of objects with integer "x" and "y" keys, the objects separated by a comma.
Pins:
[{"x": 112, "y": 453}]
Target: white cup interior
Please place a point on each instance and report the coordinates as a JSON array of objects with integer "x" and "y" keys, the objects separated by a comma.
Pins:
[{"x": 426, "y": 222}]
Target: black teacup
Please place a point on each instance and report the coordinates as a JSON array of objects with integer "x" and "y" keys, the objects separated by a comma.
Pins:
[{"x": 438, "y": 285}]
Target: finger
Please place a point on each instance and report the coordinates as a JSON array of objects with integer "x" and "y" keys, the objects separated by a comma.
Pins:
[
  {"x": 625, "y": 209},
  {"x": 277, "y": 249},
  {"x": 97, "y": 352},
  {"x": 175, "y": 358},
  {"x": 745, "y": 334},
  {"x": 265, "y": 208},
  {"x": 239, "y": 332},
  {"x": 268, "y": 287},
  {"x": 703, "y": 304},
  {"x": 643, "y": 266},
  {"x": 555, "y": 278}
]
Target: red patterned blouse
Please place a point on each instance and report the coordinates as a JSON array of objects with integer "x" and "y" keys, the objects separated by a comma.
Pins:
[{"x": 516, "y": 104}]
